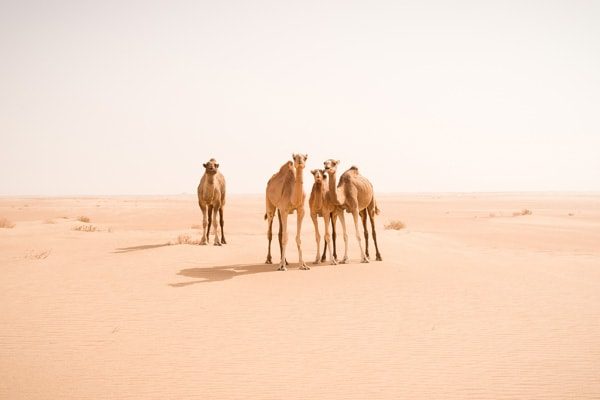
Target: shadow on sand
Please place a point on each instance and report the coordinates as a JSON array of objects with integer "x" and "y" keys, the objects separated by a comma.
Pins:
[
  {"x": 142, "y": 247},
  {"x": 222, "y": 273}
]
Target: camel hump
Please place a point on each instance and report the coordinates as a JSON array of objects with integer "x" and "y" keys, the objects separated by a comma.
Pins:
[{"x": 354, "y": 168}]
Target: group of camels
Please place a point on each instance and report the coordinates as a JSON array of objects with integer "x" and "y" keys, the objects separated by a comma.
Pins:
[{"x": 285, "y": 194}]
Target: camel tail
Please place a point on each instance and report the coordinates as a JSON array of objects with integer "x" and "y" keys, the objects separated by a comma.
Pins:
[{"x": 266, "y": 216}]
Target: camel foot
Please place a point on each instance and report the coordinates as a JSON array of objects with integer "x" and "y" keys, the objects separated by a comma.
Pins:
[
  {"x": 217, "y": 243},
  {"x": 345, "y": 260},
  {"x": 282, "y": 268},
  {"x": 378, "y": 258},
  {"x": 223, "y": 241},
  {"x": 269, "y": 260},
  {"x": 365, "y": 260},
  {"x": 323, "y": 259},
  {"x": 317, "y": 260},
  {"x": 334, "y": 262},
  {"x": 303, "y": 266}
]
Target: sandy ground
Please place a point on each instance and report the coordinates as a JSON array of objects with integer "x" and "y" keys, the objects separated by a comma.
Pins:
[{"x": 469, "y": 302}]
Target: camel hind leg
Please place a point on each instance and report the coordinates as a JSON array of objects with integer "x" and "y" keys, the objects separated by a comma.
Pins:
[
  {"x": 269, "y": 217},
  {"x": 372, "y": 218}
]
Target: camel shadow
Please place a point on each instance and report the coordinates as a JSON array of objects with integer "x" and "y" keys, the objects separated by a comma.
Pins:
[
  {"x": 223, "y": 273},
  {"x": 142, "y": 247}
]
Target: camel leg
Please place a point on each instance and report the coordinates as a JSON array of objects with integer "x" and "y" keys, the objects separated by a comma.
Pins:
[
  {"x": 343, "y": 221},
  {"x": 324, "y": 256},
  {"x": 284, "y": 239},
  {"x": 326, "y": 217},
  {"x": 363, "y": 217},
  {"x": 279, "y": 234},
  {"x": 204, "y": 239},
  {"x": 222, "y": 222},
  {"x": 215, "y": 212},
  {"x": 333, "y": 234},
  {"x": 372, "y": 218},
  {"x": 317, "y": 237},
  {"x": 210, "y": 215},
  {"x": 363, "y": 257},
  {"x": 302, "y": 264},
  {"x": 269, "y": 236}
]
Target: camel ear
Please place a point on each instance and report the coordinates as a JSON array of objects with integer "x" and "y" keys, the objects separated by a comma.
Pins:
[
  {"x": 313, "y": 171},
  {"x": 305, "y": 157},
  {"x": 337, "y": 162},
  {"x": 204, "y": 165},
  {"x": 216, "y": 165},
  {"x": 293, "y": 156}
]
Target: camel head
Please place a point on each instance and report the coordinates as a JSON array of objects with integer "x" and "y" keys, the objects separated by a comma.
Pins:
[
  {"x": 211, "y": 166},
  {"x": 319, "y": 175},
  {"x": 331, "y": 166},
  {"x": 299, "y": 160}
]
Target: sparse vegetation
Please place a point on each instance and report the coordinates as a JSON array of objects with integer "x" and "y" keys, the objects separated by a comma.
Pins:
[
  {"x": 395, "y": 225},
  {"x": 85, "y": 228},
  {"x": 37, "y": 255},
  {"x": 524, "y": 211},
  {"x": 5, "y": 223},
  {"x": 83, "y": 219},
  {"x": 571, "y": 214},
  {"x": 183, "y": 239}
]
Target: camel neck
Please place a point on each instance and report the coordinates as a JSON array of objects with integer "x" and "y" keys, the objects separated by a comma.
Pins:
[{"x": 332, "y": 189}]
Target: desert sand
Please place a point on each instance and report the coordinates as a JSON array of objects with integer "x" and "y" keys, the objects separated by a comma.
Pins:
[{"x": 470, "y": 301}]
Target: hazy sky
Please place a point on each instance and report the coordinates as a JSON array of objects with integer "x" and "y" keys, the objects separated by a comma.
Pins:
[{"x": 115, "y": 97}]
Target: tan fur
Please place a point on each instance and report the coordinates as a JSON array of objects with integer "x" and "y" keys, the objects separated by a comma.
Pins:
[
  {"x": 285, "y": 193},
  {"x": 354, "y": 193},
  {"x": 211, "y": 199},
  {"x": 322, "y": 205}
]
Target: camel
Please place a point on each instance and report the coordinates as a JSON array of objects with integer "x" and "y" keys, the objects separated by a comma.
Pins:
[
  {"x": 354, "y": 193},
  {"x": 286, "y": 195},
  {"x": 320, "y": 204},
  {"x": 211, "y": 198}
]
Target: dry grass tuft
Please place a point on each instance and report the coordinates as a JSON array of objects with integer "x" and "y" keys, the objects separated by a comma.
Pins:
[
  {"x": 85, "y": 228},
  {"x": 37, "y": 255},
  {"x": 4, "y": 223},
  {"x": 83, "y": 219},
  {"x": 183, "y": 239},
  {"x": 196, "y": 226},
  {"x": 395, "y": 225},
  {"x": 524, "y": 211},
  {"x": 571, "y": 214}
]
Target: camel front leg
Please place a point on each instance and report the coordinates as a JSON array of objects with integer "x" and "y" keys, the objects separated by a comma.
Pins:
[
  {"x": 284, "y": 240},
  {"x": 215, "y": 212},
  {"x": 363, "y": 257},
  {"x": 363, "y": 217},
  {"x": 222, "y": 222},
  {"x": 299, "y": 240},
  {"x": 377, "y": 254},
  {"x": 345, "y": 233},
  {"x": 204, "y": 239},
  {"x": 269, "y": 236},
  {"x": 326, "y": 217},
  {"x": 317, "y": 236}
]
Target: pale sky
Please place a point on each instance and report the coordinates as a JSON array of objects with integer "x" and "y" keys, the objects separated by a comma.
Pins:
[{"x": 117, "y": 97}]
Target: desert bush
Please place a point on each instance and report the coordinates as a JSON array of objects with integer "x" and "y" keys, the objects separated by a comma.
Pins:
[
  {"x": 85, "y": 228},
  {"x": 83, "y": 219},
  {"x": 395, "y": 225},
  {"x": 5, "y": 223},
  {"x": 37, "y": 255},
  {"x": 524, "y": 211}
]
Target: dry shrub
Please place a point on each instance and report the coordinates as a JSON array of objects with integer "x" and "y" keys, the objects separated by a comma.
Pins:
[
  {"x": 184, "y": 239},
  {"x": 83, "y": 219},
  {"x": 395, "y": 225},
  {"x": 4, "y": 223},
  {"x": 85, "y": 228},
  {"x": 37, "y": 255},
  {"x": 524, "y": 211},
  {"x": 196, "y": 226},
  {"x": 571, "y": 214}
]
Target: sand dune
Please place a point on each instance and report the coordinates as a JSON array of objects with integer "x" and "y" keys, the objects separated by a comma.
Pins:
[{"x": 469, "y": 302}]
